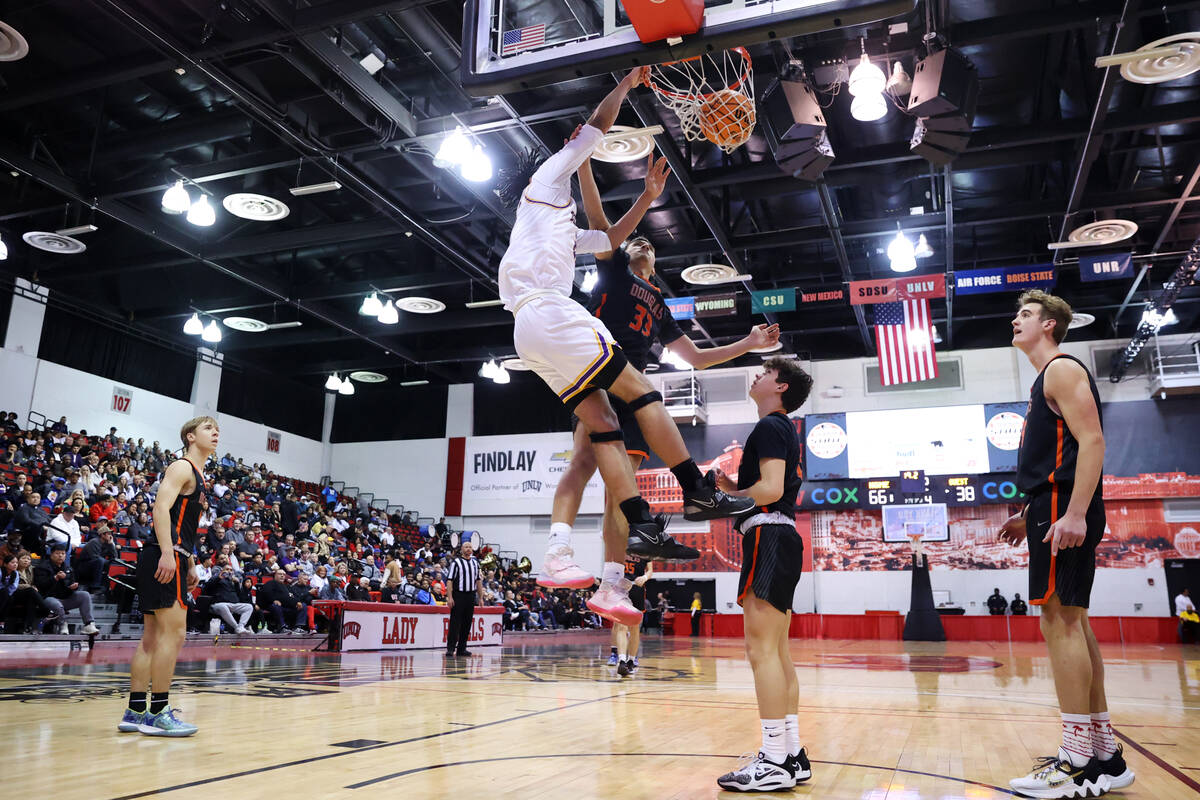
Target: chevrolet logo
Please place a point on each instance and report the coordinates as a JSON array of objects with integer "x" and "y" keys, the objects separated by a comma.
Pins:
[{"x": 562, "y": 455}]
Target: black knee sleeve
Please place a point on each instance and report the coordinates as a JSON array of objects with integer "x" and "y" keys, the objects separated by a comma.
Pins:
[
  {"x": 606, "y": 436},
  {"x": 645, "y": 400}
]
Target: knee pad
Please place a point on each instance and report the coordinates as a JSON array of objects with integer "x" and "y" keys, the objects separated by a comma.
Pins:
[
  {"x": 645, "y": 400},
  {"x": 606, "y": 436}
]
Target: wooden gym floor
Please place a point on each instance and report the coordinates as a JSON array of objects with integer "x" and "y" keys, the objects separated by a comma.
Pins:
[{"x": 545, "y": 718}]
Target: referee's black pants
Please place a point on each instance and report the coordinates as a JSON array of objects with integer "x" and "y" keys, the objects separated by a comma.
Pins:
[{"x": 460, "y": 622}]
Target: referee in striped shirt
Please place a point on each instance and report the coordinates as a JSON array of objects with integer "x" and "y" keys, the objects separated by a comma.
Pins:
[{"x": 465, "y": 587}]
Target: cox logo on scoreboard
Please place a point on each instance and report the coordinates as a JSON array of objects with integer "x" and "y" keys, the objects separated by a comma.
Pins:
[
  {"x": 1000, "y": 490},
  {"x": 830, "y": 496}
]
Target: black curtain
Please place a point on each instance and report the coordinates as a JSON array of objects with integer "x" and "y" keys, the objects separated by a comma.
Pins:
[
  {"x": 92, "y": 347},
  {"x": 6, "y": 297},
  {"x": 523, "y": 405},
  {"x": 272, "y": 401},
  {"x": 377, "y": 412}
]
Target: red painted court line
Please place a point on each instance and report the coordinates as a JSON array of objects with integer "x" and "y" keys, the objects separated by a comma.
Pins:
[{"x": 1194, "y": 785}]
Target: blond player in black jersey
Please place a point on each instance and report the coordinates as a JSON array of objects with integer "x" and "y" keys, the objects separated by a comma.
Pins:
[
  {"x": 1058, "y": 468},
  {"x": 166, "y": 570}
]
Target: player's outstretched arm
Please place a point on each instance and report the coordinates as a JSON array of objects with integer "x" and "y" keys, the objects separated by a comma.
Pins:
[
  {"x": 656, "y": 180},
  {"x": 593, "y": 207},
  {"x": 760, "y": 336},
  {"x": 606, "y": 113}
]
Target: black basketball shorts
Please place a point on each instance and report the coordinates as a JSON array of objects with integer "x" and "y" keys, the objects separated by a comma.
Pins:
[
  {"x": 637, "y": 596},
  {"x": 1070, "y": 573},
  {"x": 772, "y": 560},
  {"x": 153, "y": 595}
]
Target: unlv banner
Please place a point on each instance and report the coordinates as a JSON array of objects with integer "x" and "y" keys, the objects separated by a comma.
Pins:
[
  {"x": 413, "y": 629},
  {"x": 519, "y": 475}
]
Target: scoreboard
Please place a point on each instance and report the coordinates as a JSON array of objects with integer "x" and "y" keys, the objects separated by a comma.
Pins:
[{"x": 911, "y": 488}]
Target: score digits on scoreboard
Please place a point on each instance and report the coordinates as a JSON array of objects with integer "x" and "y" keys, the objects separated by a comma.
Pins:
[{"x": 881, "y": 493}]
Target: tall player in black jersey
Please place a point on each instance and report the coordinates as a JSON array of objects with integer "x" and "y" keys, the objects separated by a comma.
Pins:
[
  {"x": 772, "y": 559},
  {"x": 626, "y": 300},
  {"x": 166, "y": 570},
  {"x": 1059, "y": 467}
]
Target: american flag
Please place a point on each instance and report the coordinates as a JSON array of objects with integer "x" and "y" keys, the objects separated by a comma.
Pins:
[
  {"x": 904, "y": 335},
  {"x": 522, "y": 39}
]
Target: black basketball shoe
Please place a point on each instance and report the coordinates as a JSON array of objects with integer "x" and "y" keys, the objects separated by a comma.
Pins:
[
  {"x": 709, "y": 502},
  {"x": 649, "y": 540},
  {"x": 624, "y": 667},
  {"x": 1118, "y": 772},
  {"x": 799, "y": 765}
]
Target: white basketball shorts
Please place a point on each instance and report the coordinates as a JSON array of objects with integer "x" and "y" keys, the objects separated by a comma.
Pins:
[{"x": 567, "y": 347}]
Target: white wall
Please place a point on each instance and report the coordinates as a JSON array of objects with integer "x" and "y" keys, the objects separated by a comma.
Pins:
[
  {"x": 411, "y": 473},
  {"x": 87, "y": 402}
]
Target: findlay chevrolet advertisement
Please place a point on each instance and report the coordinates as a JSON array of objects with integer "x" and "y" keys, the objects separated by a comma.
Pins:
[{"x": 519, "y": 475}]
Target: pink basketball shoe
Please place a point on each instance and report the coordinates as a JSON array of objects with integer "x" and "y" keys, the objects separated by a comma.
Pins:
[
  {"x": 611, "y": 601},
  {"x": 559, "y": 570}
]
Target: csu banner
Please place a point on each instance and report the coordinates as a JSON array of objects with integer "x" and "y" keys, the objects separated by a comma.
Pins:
[
  {"x": 519, "y": 474},
  {"x": 1004, "y": 279},
  {"x": 1003, "y": 425},
  {"x": 681, "y": 307},
  {"x": 1107, "y": 267},
  {"x": 770, "y": 300},
  {"x": 825, "y": 447}
]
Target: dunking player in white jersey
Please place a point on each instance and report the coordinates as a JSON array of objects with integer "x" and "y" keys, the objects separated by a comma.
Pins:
[{"x": 574, "y": 353}]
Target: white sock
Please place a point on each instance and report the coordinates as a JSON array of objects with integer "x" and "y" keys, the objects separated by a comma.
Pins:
[
  {"x": 1104, "y": 744},
  {"x": 792, "y": 723},
  {"x": 1076, "y": 738},
  {"x": 613, "y": 573},
  {"x": 774, "y": 740},
  {"x": 560, "y": 533},
  {"x": 622, "y": 657}
]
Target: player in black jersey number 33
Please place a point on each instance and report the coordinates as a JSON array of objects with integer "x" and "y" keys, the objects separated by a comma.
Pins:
[
  {"x": 166, "y": 571},
  {"x": 772, "y": 557},
  {"x": 1058, "y": 467}
]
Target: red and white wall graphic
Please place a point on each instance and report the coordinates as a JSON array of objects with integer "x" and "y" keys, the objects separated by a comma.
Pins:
[{"x": 406, "y": 629}]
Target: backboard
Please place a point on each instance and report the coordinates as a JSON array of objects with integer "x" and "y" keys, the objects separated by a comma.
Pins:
[{"x": 510, "y": 45}]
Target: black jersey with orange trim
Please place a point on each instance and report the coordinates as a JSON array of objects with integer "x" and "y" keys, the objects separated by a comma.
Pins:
[
  {"x": 632, "y": 309},
  {"x": 774, "y": 436},
  {"x": 185, "y": 514},
  {"x": 634, "y": 568},
  {"x": 1049, "y": 451}
]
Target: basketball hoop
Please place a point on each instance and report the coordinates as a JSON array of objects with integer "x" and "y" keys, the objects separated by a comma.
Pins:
[{"x": 712, "y": 94}]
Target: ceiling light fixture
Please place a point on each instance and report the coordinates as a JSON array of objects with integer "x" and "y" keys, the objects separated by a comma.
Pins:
[
  {"x": 201, "y": 213},
  {"x": 484, "y": 303},
  {"x": 3, "y": 250},
  {"x": 315, "y": 188},
  {"x": 589, "y": 280},
  {"x": 1081, "y": 319},
  {"x": 347, "y": 387},
  {"x": 257, "y": 207},
  {"x": 371, "y": 306},
  {"x": 868, "y": 108},
  {"x": 901, "y": 253},
  {"x": 414, "y": 383},
  {"x": 53, "y": 242},
  {"x": 193, "y": 327},
  {"x": 923, "y": 249},
  {"x": 366, "y": 376},
  {"x": 866, "y": 79},
  {"x": 371, "y": 63},
  {"x": 501, "y": 377},
  {"x": 488, "y": 369},
  {"x": 1159, "y": 319},
  {"x": 13, "y": 46},
  {"x": 673, "y": 359},
  {"x": 454, "y": 150},
  {"x": 420, "y": 305},
  {"x": 477, "y": 168},
  {"x": 245, "y": 324},
  {"x": 333, "y": 382},
  {"x": 388, "y": 315},
  {"x": 77, "y": 230},
  {"x": 176, "y": 199},
  {"x": 212, "y": 333}
]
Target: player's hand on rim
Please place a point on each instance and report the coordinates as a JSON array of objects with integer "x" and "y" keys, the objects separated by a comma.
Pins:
[
  {"x": 1013, "y": 530},
  {"x": 657, "y": 173},
  {"x": 1070, "y": 531}
]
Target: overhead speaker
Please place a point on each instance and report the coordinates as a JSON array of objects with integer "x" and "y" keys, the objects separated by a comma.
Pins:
[
  {"x": 944, "y": 93},
  {"x": 804, "y": 151}
]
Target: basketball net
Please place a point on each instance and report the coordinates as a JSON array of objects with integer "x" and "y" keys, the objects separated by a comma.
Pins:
[{"x": 712, "y": 95}]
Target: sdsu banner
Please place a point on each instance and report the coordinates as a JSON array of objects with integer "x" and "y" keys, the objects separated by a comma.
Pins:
[
  {"x": 425, "y": 628},
  {"x": 519, "y": 475}
]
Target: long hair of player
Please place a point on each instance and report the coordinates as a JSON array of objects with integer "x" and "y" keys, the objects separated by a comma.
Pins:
[{"x": 513, "y": 180}]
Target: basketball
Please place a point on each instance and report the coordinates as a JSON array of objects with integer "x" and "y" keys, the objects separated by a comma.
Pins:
[{"x": 727, "y": 118}]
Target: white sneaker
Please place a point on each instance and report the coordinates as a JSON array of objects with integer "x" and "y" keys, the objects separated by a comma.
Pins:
[
  {"x": 757, "y": 774},
  {"x": 1055, "y": 776},
  {"x": 611, "y": 601},
  {"x": 62, "y": 629},
  {"x": 239, "y": 630},
  {"x": 90, "y": 629},
  {"x": 559, "y": 570}
]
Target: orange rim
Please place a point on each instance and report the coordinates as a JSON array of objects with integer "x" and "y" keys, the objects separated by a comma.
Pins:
[{"x": 705, "y": 95}]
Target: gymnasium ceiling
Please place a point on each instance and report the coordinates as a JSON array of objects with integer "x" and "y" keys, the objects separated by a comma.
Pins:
[{"x": 117, "y": 98}]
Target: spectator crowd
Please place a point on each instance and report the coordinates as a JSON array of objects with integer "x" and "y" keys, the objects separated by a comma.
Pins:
[{"x": 71, "y": 504}]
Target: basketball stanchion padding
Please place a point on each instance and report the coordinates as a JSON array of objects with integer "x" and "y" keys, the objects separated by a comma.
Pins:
[{"x": 655, "y": 20}]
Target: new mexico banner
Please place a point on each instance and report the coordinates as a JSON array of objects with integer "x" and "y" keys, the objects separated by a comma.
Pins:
[{"x": 519, "y": 475}]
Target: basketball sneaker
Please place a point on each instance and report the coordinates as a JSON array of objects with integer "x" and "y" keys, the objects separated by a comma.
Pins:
[
  {"x": 559, "y": 570},
  {"x": 625, "y": 668},
  {"x": 799, "y": 765},
  {"x": 650, "y": 541},
  {"x": 165, "y": 723},
  {"x": 612, "y": 658},
  {"x": 709, "y": 502},
  {"x": 1118, "y": 772},
  {"x": 758, "y": 774},
  {"x": 1055, "y": 776},
  {"x": 131, "y": 720},
  {"x": 611, "y": 601}
]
